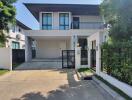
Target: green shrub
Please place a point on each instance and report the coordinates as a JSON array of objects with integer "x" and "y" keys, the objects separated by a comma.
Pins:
[{"x": 117, "y": 60}]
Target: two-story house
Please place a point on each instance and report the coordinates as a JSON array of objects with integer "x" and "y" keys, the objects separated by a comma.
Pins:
[
  {"x": 62, "y": 27},
  {"x": 15, "y": 36}
]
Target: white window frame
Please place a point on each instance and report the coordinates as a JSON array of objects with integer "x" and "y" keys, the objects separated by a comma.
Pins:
[
  {"x": 69, "y": 18},
  {"x": 40, "y": 19}
]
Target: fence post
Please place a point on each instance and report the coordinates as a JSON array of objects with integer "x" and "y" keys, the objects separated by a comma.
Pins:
[
  {"x": 98, "y": 53},
  {"x": 77, "y": 57},
  {"x": 28, "y": 49},
  {"x": 11, "y": 64}
]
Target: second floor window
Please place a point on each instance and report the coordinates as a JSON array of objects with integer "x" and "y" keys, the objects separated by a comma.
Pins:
[
  {"x": 47, "y": 21},
  {"x": 64, "y": 21}
]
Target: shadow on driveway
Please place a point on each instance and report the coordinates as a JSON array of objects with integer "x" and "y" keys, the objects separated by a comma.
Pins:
[{"x": 74, "y": 90}]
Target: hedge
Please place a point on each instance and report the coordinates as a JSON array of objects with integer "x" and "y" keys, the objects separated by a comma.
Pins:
[{"x": 117, "y": 60}]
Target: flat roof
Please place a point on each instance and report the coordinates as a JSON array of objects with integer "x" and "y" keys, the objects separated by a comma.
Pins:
[{"x": 76, "y": 9}]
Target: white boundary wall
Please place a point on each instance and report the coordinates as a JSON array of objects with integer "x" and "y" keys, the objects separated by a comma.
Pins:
[
  {"x": 6, "y": 58},
  {"x": 99, "y": 37},
  {"x": 122, "y": 86}
]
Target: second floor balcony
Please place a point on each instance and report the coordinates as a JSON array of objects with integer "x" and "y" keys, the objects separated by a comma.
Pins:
[
  {"x": 75, "y": 25},
  {"x": 87, "y": 25},
  {"x": 75, "y": 28}
]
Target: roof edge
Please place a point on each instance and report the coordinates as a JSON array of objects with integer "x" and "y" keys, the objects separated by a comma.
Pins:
[
  {"x": 27, "y": 5},
  {"x": 19, "y": 23},
  {"x": 59, "y": 4}
]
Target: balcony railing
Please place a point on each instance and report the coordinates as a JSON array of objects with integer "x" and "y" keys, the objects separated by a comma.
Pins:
[
  {"x": 80, "y": 25},
  {"x": 87, "y": 25}
]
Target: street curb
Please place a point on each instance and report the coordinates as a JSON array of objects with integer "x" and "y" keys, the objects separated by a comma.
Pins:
[
  {"x": 78, "y": 75},
  {"x": 114, "y": 94}
]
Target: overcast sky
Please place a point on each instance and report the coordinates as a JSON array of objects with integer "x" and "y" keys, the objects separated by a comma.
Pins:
[{"x": 28, "y": 19}]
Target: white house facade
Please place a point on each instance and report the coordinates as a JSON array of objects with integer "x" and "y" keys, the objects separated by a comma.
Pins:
[
  {"x": 16, "y": 37},
  {"x": 62, "y": 27}
]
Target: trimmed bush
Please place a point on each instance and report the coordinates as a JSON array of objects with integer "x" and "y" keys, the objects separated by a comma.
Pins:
[{"x": 117, "y": 60}]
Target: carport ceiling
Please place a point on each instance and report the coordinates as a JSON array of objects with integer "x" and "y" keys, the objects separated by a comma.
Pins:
[{"x": 50, "y": 37}]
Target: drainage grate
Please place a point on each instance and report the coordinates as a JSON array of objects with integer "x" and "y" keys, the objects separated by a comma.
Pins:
[{"x": 88, "y": 78}]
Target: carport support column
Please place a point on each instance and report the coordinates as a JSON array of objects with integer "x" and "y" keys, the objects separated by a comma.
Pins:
[
  {"x": 28, "y": 49},
  {"x": 77, "y": 57},
  {"x": 74, "y": 41}
]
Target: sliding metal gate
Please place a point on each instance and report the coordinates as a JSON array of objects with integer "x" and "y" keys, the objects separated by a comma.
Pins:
[
  {"x": 18, "y": 56},
  {"x": 68, "y": 58},
  {"x": 93, "y": 58}
]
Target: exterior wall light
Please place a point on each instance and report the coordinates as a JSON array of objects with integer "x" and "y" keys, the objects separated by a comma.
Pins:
[{"x": 96, "y": 48}]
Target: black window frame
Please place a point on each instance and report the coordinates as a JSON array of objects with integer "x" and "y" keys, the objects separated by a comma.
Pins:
[
  {"x": 46, "y": 25},
  {"x": 64, "y": 25}
]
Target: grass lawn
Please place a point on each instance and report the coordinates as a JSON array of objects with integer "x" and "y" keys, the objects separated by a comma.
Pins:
[
  {"x": 2, "y": 71},
  {"x": 85, "y": 70},
  {"x": 85, "y": 73}
]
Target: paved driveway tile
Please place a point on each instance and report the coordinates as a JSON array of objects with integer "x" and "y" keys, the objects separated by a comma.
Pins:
[{"x": 52, "y": 84}]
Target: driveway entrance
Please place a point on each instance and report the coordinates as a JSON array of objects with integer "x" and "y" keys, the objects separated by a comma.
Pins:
[{"x": 50, "y": 84}]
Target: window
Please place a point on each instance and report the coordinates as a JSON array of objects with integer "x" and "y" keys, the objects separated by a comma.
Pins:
[
  {"x": 76, "y": 22},
  {"x": 19, "y": 29},
  {"x": 64, "y": 21},
  {"x": 47, "y": 21},
  {"x": 15, "y": 45}
]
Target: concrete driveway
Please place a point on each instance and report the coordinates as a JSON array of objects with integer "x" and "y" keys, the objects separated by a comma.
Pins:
[
  {"x": 40, "y": 64},
  {"x": 50, "y": 84}
]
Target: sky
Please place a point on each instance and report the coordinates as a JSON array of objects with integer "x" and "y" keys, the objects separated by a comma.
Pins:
[{"x": 24, "y": 15}]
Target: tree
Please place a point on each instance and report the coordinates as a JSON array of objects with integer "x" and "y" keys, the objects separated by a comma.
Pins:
[
  {"x": 118, "y": 14},
  {"x": 7, "y": 15}
]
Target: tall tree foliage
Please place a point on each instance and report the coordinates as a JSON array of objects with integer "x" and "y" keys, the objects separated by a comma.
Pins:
[
  {"x": 7, "y": 15},
  {"x": 118, "y": 14}
]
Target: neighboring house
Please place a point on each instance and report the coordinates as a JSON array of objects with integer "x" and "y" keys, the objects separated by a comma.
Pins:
[
  {"x": 16, "y": 37},
  {"x": 62, "y": 27}
]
